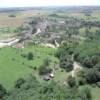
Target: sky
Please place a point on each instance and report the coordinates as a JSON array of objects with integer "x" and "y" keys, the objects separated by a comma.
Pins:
[{"x": 37, "y": 3}]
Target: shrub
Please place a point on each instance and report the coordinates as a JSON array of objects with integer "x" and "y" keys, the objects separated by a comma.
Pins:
[
  {"x": 81, "y": 81},
  {"x": 3, "y": 91},
  {"x": 46, "y": 62},
  {"x": 44, "y": 70},
  {"x": 66, "y": 63},
  {"x": 69, "y": 66},
  {"x": 35, "y": 68},
  {"x": 92, "y": 76},
  {"x": 87, "y": 62},
  {"x": 24, "y": 55},
  {"x": 30, "y": 56},
  {"x": 33, "y": 89},
  {"x": 81, "y": 77},
  {"x": 71, "y": 81},
  {"x": 19, "y": 82},
  {"x": 65, "y": 53}
]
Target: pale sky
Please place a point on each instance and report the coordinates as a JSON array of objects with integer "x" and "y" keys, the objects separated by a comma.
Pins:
[{"x": 36, "y": 3}]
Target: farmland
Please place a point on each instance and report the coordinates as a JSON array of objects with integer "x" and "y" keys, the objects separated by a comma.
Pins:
[{"x": 17, "y": 66}]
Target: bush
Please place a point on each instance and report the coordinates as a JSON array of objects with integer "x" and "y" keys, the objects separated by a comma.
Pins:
[
  {"x": 43, "y": 70},
  {"x": 87, "y": 62},
  {"x": 35, "y": 68},
  {"x": 33, "y": 89},
  {"x": 92, "y": 76},
  {"x": 30, "y": 56},
  {"x": 81, "y": 77},
  {"x": 24, "y": 55},
  {"x": 46, "y": 62},
  {"x": 81, "y": 81},
  {"x": 95, "y": 59},
  {"x": 71, "y": 81},
  {"x": 19, "y": 82},
  {"x": 69, "y": 66},
  {"x": 76, "y": 55},
  {"x": 66, "y": 63},
  {"x": 65, "y": 54},
  {"x": 3, "y": 91}
]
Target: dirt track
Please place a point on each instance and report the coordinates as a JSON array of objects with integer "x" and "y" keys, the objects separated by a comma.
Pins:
[{"x": 76, "y": 67}]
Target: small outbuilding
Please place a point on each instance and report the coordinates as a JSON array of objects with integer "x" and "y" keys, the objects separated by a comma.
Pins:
[{"x": 46, "y": 77}]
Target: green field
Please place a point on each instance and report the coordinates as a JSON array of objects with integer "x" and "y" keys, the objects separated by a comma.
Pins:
[
  {"x": 96, "y": 93},
  {"x": 13, "y": 66}
]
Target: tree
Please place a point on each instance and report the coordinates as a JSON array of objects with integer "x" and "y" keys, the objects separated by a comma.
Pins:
[
  {"x": 71, "y": 81},
  {"x": 65, "y": 55},
  {"x": 19, "y": 82},
  {"x": 46, "y": 62},
  {"x": 80, "y": 76},
  {"x": 66, "y": 63},
  {"x": 92, "y": 76},
  {"x": 33, "y": 89},
  {"x": 87, "y": 62},
  {"x": 3, "y": 91},
  {"x": 30, "y": 56},
  {"x": 43, "y": 70}
]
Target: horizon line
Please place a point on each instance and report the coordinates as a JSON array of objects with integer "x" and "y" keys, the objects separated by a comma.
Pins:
[{"x": 51, "y": 6}]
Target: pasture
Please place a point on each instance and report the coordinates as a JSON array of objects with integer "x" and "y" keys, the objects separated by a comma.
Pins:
[{"x": 14, "y": 66}]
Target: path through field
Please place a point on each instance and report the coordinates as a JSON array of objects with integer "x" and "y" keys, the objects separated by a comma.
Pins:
[{"x": 76, "y": 67}]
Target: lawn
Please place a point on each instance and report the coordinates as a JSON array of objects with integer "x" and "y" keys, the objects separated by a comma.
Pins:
[{"x": 14, "y": 66}]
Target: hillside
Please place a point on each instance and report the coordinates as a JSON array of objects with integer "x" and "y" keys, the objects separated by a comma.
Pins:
[{"x": 50, "y": 53}]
